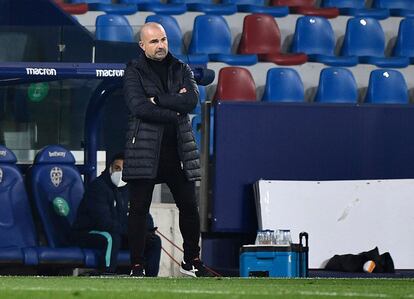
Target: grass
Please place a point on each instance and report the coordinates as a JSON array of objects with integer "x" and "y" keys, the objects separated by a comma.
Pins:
[{"x": 209, "y": 288}]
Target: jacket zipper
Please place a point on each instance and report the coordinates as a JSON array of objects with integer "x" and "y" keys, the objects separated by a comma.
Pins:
[{"x": 135, "y": 131}]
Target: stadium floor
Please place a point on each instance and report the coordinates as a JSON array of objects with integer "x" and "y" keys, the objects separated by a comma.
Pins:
[{"x": 211, "y": 288}]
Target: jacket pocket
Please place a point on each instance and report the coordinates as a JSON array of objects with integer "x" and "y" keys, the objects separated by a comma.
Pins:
[{"x": 134, "y": 136}]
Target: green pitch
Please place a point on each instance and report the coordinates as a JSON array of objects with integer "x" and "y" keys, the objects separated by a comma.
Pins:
[{"x": 209, "y": 288}]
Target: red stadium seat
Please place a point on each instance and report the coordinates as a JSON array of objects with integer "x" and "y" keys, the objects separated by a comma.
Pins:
[
  {"x": 307, "y": 7},
  {"x": 73, "y": 8},
  {"x": 235, "y": 84},
  {"x": 261, "y": 35}
]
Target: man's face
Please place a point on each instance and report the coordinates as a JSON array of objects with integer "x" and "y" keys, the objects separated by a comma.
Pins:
[
  {"x": 154, "y": 43},
  {"x": 117, "y": 165}
]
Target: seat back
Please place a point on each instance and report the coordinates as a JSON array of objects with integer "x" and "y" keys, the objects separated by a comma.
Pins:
[
  {"x": 174, "y": 34},
  {"x": 337, "y": 85},
  {"x": 393, "y": 4},
  {"x": 261, "y": 35},
  {"x": 363, "y": 37},
  {"x": 235, "y": 84},
  {"x": 313, "y": 35},
  {"x": 91, "y": 1},
  {"x": 16, "y": 223},
  {"x": 111, "y": 27},
  {"x": 344, "y": 3},
  {"x": 57, "y": 191},
  {"x": 387, "y": 87},
  {"x": 404, "y": 45},
  {"x": 283, "y": 85},
  {"x": 249, "y": 2},
  {"x": 211, "y": 35}
]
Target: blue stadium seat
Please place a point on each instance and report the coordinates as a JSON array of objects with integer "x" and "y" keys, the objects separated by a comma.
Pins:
[
  {"x": 57, "y": 189},
  {"x": 404, "y": 45},
  {"x": 108, "y": 7},
  {"x": 18, "y": 237},
  {"x": 196, "y": 125},
  {"x": 315, "y": 37},
  {"x": 337, "y": 85},
  {"x": 259, "y": 6},
  {"x": 208, "y": 7},
  {"x": 398, "y": 8},
  {"x": 175, "y": 39},
  {"x": 113, "y": 28},
  {"x": 158, "y": 7},
  {"x": 217, "y": 43},
  {"x": 365, "y": 38},
  {"x": 202, "y": 98},
  {"x": 283, "y": 85},
  {"x": 387, "y": 87},
  {"x": 357, "y": 8}
]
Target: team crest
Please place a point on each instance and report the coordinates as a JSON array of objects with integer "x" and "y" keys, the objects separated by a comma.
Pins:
[
  {"x": 1, "y": 175},
  {"x": 56, "y": 175}
]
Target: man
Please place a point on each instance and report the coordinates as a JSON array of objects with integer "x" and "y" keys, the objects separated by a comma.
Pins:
[
  {"x": 160, "y": 91},
  {"x": 102, "y": 220}
]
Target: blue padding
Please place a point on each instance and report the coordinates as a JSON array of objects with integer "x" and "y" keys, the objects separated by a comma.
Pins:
[
  {"x": 92, "y": 258},
  {"x": 54, "y": 154},
  {"x": 30, "y": 256},
  {"x": 283, "y": 85},
  {"x": 6, "y": 155},
  {"x": 302, "y": 142},
  {"x": 121, "y": 9},
  {"x": 337, "y": 85},
  {"x": 68, "y": 255},
  {"x": 51, "y": 177},
  {"x": 387, "y": 87},
  {"x": 11, "y": 256}
]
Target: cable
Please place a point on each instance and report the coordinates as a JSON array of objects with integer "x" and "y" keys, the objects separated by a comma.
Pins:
[{"x": 178, "y": 263}]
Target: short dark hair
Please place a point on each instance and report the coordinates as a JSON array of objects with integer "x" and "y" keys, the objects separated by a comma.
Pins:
[{"x": 117, "y": 156}]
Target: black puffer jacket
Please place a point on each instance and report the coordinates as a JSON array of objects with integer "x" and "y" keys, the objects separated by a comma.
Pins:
[{"x": 146, "y": 120}]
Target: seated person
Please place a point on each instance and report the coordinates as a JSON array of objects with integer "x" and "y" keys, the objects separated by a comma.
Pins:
[{"x": 102, "y": 220}]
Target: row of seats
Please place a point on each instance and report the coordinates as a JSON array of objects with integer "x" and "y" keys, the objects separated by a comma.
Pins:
[
  {"x": 336, "y": 85},
  {"x": 380, "y": 9},
  {"x": 313, "y": 40},
  {"x": 56, "y": 189}
]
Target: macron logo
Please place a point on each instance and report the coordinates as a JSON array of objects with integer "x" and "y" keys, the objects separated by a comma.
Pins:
[
  {"x": 109, "y": 73},
  {"x": 57, "y": 154},
  {"x": 3, "y": 153},
  {"x": 41, "y": 71}
]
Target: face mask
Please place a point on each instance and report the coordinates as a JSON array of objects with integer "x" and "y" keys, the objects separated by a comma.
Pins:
[{"x": 116, "y": 178}]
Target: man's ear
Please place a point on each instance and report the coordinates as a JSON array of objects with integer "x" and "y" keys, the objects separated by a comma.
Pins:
[{"x": 141, "y": 45}]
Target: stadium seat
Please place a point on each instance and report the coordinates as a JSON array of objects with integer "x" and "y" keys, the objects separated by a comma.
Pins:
[
  {"x": 175, "y": 39},
  {"x": 398, "y": 8},
  {"x": 357, "y": 8},
  {"x": 202, "y": 98},
  {"x": 387, "y": 87},
  {"x": 235, "y": 84},
  {"x": 307, "y": 7},
  {"x": 315, "y": 37},
  {"x": 259, "y": 6},
  {"x": 73, "y": 8},
  {"x": 261, "y": 36},
  {"x": 365, "y": 38},
  {"x": 336, "y": 85},
  {"x": 217, "y": 43},
  {"x": 18, "y": 237},
  {"x": 108, "y": 7},
  {"x": 404, "y": 45},
  {"x": 158, "y": 7},
  {"x": 283, "y": 85},
  {"x": 113, "y": 28},
  {"x": 208, "y": 7}
]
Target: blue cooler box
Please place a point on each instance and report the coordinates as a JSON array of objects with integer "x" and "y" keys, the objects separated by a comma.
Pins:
[{"x": 274, "y": 260}]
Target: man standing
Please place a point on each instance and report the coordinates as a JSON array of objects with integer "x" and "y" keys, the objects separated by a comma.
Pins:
[
  {"x": 102, "y": 220},
  {"x": 160, "y": 91}
]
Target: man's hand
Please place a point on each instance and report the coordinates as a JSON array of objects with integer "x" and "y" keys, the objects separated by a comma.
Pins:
[{"x": 183, "y": 90}]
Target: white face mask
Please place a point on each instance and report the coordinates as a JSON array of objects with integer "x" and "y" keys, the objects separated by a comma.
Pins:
[{"x": 116, "y": 178}]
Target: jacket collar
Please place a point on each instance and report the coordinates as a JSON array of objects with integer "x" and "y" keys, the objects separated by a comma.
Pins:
[{"x": 146, "y": 69}]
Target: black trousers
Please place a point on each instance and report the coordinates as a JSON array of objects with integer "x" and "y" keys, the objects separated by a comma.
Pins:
[
  {"x": 109, "y": 246},
  {"x": 183, "y": 191}
]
